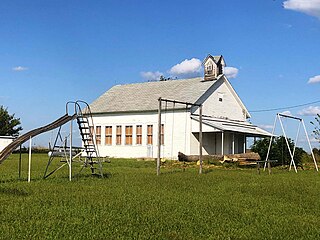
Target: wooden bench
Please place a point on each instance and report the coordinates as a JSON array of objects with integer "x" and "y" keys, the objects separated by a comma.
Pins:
[{"x": 268, "y": 162}]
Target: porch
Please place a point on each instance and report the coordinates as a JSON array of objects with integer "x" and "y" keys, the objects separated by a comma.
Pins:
[{"x": 223, "y": 136}]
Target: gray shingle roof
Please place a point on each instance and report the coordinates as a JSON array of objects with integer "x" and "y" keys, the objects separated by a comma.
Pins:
[
  {"x": 144, "y": 96},
  {"x": 233, "y": 126}
]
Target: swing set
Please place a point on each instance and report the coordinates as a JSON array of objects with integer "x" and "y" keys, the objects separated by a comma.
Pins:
[
  {"x": 279, "y": 117},
  {"x": 161, "y": 130}
]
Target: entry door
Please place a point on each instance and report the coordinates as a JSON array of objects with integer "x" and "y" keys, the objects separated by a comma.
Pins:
[{"x": 149, "y": 151}]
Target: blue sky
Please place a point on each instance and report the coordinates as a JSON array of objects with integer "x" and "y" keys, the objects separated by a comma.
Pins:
[{"x": 55, "y": 51}]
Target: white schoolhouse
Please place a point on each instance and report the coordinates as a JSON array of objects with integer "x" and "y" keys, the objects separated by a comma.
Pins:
[{"x": 126, "y": 117}]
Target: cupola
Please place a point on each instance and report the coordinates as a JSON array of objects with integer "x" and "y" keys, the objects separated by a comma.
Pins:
[{"x": 213, "y": 67}]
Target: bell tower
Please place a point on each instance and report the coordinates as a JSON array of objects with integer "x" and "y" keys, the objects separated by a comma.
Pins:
[{"x": 213, "y": 67}]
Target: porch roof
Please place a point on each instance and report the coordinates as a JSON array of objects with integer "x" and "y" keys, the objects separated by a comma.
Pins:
[{"x": 212, "y": 124}]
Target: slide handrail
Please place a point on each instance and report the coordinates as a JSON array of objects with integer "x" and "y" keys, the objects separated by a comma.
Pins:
[
  {"x": 57, "y": 123},
  {"x": 25, "y": 137}
]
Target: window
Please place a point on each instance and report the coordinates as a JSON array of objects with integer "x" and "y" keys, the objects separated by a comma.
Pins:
[
  {"x": 118, "y": 137},
  {"x": 220, "y": 96},
  {"x": 90, "y": 135},
  {"x": 162, "y": 134},
  {"x": 209, "y": 69},
  {"x": 98, "y": 135},
  {"x": 128, "y": 135},
  {"x": 108, "y": 139},
  {"x": 139, "y": 134},
  {"x": 149, "y": 134}
]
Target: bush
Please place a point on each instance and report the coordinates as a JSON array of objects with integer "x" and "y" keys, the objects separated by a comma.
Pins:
[{"x": 279, "y": 150}]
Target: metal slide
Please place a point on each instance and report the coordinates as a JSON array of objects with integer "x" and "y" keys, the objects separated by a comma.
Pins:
[
  {"x": 25, "y": 137},
  {"x": 87, "y": 132}
]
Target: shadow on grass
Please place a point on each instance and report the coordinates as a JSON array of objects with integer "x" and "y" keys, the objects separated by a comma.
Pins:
[
  {"x": 171, "y": 171},
  {"x": 207, "y": 171},
  {"x": 14, "y": 192},
  {"x": 90, "y": 175}
]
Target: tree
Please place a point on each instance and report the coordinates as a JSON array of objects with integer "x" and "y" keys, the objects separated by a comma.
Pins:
[
  {"x": 9, "y": 125},
  {"x": 316, "y": 125},
  {"x": 279, "y": 150},
  {"x": 162, "y": 78}
]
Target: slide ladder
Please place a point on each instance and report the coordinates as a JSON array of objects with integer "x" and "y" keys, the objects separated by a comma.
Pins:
[
  {"x": 87, "y": 136},
  {"x": 86, "y": 128},
  {"x": 91, "y": 158}
]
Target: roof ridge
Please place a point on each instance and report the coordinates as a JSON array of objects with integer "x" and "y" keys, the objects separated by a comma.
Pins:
[{"x": 158, "y": 81}]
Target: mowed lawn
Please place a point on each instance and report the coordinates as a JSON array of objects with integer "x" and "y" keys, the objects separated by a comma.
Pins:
[{"x": 133, "y": 203}]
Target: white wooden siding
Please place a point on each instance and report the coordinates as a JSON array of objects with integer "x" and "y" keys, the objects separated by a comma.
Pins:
[
  {"x": 5, "y": 141},
  {"x": 177, "y": 128},
  {"x": 227, "y": 108}
]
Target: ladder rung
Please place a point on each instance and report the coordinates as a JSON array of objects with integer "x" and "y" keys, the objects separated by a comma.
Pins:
[
  {"x": 82, "y": 120},
  {"x": 89, "y": 145},
  {"x": 90, "y": 149}
]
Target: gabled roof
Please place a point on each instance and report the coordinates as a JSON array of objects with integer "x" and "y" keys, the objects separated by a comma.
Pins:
[
  {"x": 144, "y": 96},
  {"x": 236, "y": 96},
  {"x": 223, "y": 78},
  {"x": 216, "y": 59},
  {"x": 139, "y": 97}
]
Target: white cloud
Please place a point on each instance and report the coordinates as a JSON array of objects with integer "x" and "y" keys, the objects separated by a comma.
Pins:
[
  {"x": 231, "y": 72},
  {"x": 187, "y": 67},
  {"x": 315, "y": 79},
  {"x": 310, "y": 111},
  {"x": 310, "y": 7},
  {"x": 151, "y": 75},
  {"x": 19, "y": 69},
  {"x": 288, "y": 113}
]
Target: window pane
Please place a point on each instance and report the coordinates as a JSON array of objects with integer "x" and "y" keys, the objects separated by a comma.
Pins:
[
  {"x": 98, "y": 134},
  {"x": 149, "y": 134},
  {"x": 108, "y": 139},
  {"x": 139, "y": 134},
  {"x": 128, "y": 135},
  {"x": 118, "y": 137}
]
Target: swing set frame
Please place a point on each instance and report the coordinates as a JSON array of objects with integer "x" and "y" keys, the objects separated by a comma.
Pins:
[
  {"x": 160, "y": 100},
  {"x": 279, "y": 117}
]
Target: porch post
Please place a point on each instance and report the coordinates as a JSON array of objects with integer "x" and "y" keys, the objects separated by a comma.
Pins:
[
  {"x": 200, "y": 139},
  {"x": 244, "y": 143},
  {"x": 222, "y": 142},
  {"x": 29, "y": 163},
  {"x": 159, "y": 137},
  {"x": 232, "y": 143}
]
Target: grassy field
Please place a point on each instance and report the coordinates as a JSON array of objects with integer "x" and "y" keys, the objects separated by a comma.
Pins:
[{"x": 133, "y": 203}]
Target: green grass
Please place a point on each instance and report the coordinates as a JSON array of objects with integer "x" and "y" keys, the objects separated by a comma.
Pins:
[{"x": 134, "y": 203}]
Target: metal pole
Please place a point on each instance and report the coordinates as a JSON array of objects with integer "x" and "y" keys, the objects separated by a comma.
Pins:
[
  {"x": 296, "y": 141},
  {"x": 29, "y": 165},
  {"x": 159, "y": 137},
  {"x": 19, "y": 166},
  {"x": 285, "y": 136},
  {"x": 269, "y": 148},
  {"x": 314, "y": 159},
  {"x": 70, "y": 152},
  {"x": 200, "y": 138}
]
